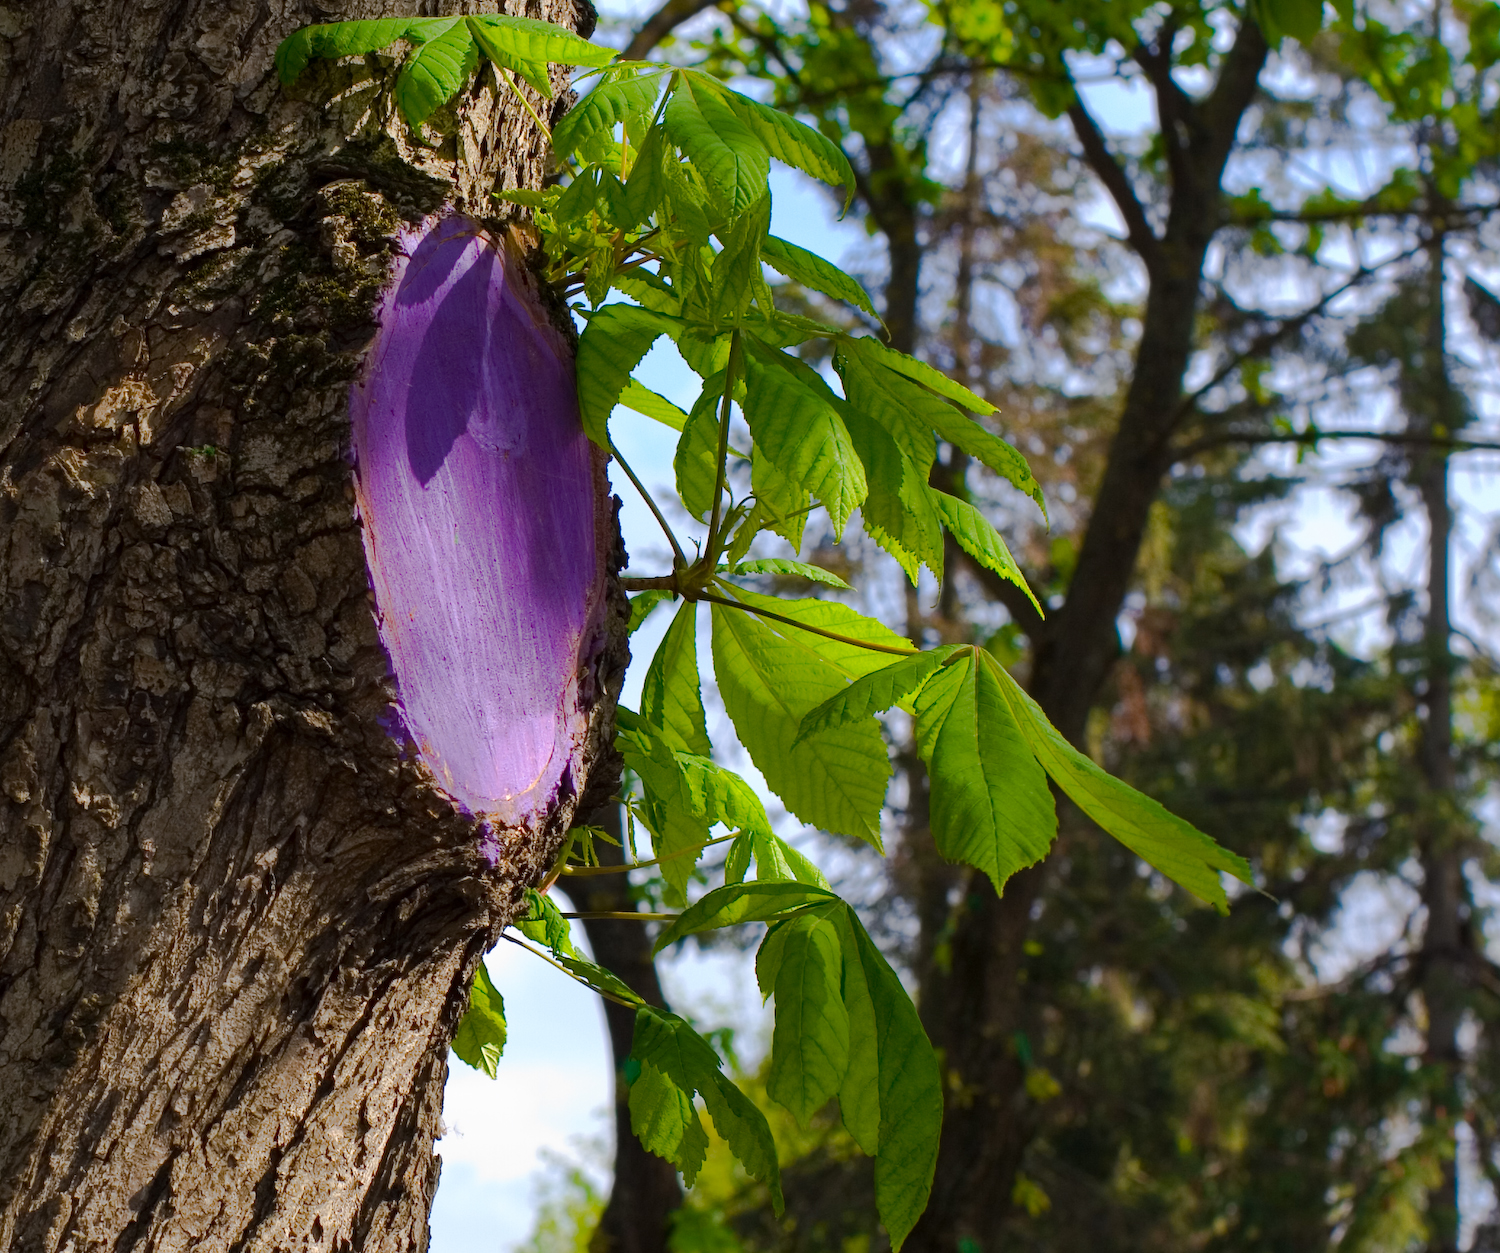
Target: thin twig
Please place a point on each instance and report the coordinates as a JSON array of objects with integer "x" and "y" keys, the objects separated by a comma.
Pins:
[
  {"x": 646, "y": 496},
  {"x": 622, "y": 915},
  {"x": 801, "y": 626},
  {"x": 641, "y": 865},
  {"x": 536, "y": 952},
  {"x": 1313, "y": 438},
  {"x": 735, "y": 352},
  {"x": 525, "y": 103}
]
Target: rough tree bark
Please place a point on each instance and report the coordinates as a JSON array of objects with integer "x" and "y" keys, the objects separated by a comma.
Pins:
[{"x": 236, "y": 920}]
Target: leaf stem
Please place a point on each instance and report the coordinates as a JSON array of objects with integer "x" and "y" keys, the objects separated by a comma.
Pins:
[
  {"x": 640, "y": 865},
  {"x": 801, "y": 626},
  {"x": 650, "y": 503},
  {"x": 622, "y": 915},
  {"x": 736, "y": 354},
  {"x": 525, "y": 103},
  {"x": 657, "y": 582},
  {"x": 536, "y": 952}
]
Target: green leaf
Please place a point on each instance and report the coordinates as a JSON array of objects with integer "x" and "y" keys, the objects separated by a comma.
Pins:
[
  {"x": 794, "y": 418},
  {"x": 532, "y": 39},
  {"x": 665, "y": 1041},
  {"x": 611, "y": 346},
  {"x": 990, "y": 804},
  {"x": 732, "y": 160},
  {"x": 697, "y": 458},
  {"x": 670, "y": 698},
  {"x": 738, "y": 903},
  {"x": 797, "y": 569},
  {"x": 618, "y": 100},
  {"x": 677, "y": 825},
  {"x": 436, "y": 73},
  {"x": 834, "y": 779},
  {"x": 811, "y": 270},
  {"x": 948, "y": 422},
  {"x": 795, "y": 143},
  {"x": 642, "y": 605},
  {"x": 646, "y": 184},
  {"x": 782, "y": 501},
  {"x": 685, "y": 795},
  {"x": 859, "y": 1094},
  {"x": 911, "y": 1093},
  {"x": 1175, "y": 847},
  {"x": 598, "y": 978},
  {"x": 862, "y": 385},
  {"x": 930, "y": 378},
  {"x": 810, "y": 1040},
  {"x": 525, "y": 45},
  {"x": 345, "y": 39},
  {"x": 881, "y": 689},
  {"x": 1301, "y": 19},
  {"x": 768, "y": 955},
  {"x": 527, "y": 196},
  {"x": 980, "y": 540},
  {"x": 480, "y": 1038},
  {"x": 545, "y": 924},
  {"x": 665, "y": 1120},
  {"x": 578, "y": 198},
  {"x": 851, "y": 659},
  {"x": 737, "y": 860},
  {"x": 702, "y": 788},
  {"x": 649, "y": 290},
  {"x": 652, "y": 405},
  {"x": 736, "y": 276},
  {"x": 898, "y": 512},
  {"x": 776, "y": 861}
]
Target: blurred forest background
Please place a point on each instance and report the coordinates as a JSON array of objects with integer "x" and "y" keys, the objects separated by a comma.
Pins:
[{"x": 1229, "y": 272}]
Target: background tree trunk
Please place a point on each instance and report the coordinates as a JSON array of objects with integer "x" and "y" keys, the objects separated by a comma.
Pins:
[
  {"x": 646, "y": 1190},
  {"x": 974, "y": 1001},
  {"x": 236, "y": 923}
]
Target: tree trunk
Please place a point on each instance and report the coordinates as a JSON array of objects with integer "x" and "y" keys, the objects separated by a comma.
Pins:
[
  {"x": 237, "y": 919},
  {"x": 1445, "y": 942}
]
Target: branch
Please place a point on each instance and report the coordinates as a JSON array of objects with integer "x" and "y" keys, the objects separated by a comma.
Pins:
[
  {"x": 1175, "y": 108},
  {"x": 1112, "y": 174},
  {"x": 1267, "y": 340},
  {"x": 1312, "y": 438},
  {"x": 1221, "y": 113},
  {"x": 661, "y": 24}
]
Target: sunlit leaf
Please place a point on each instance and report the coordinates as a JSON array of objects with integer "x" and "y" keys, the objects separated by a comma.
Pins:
[
  {"x": 980, "y": 540},
  {"x": 436, "y": 73},
  {"x": 1174, "y": 846},
  {"x": 811, "y": 270},
  {"x": 717, "y": 142},
  {"x": 480, "y": 1038},
  {"x": 990, "y": 804}
]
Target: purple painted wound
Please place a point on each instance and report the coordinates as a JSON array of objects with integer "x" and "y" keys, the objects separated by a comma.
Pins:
[{"x": 479, "y": 496}]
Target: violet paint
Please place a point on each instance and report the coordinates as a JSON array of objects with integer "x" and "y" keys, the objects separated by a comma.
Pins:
[{"x": 478, "y": 493}]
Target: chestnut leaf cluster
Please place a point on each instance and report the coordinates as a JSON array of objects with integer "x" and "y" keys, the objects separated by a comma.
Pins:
[{"x": 664, "y": 201}]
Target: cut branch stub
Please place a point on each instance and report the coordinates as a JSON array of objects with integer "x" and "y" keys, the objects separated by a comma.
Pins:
[{"x": 484, "y": 511}]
